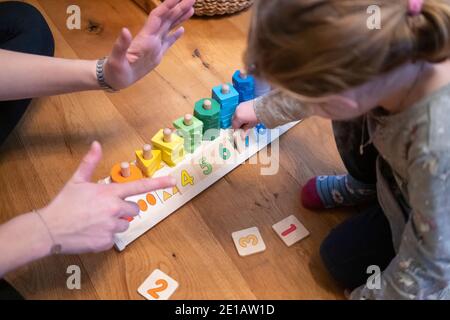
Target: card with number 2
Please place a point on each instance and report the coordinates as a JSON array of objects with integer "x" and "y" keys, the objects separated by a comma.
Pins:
[{"x": 158, "y": 286}]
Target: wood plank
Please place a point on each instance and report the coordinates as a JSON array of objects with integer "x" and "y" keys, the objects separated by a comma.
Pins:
[
  {"x": 147, "y": 5},
  {"x": 194, "y": 245},
  {"x": 96, "y": 110}
]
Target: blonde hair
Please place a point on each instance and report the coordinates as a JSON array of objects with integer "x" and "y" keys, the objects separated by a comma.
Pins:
[{"x": 319, "y": 47}]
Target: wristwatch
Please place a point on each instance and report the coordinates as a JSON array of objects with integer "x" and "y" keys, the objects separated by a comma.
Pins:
[{"x": 101, "y": 76}]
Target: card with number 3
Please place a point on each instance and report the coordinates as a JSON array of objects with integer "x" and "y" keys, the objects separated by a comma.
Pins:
[
  {"x": 248, "y": 241},
  {"x": 158, "y": 286}
]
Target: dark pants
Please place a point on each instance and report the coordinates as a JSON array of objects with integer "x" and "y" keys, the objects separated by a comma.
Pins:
[
  {"x": 22, "y": 29},
  {"x": 365, "y": 239}
]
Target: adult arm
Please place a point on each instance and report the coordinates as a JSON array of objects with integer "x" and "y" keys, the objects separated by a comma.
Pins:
[
  {"x": 28, "y": 76},
  {"x": 82, "y": 218}
]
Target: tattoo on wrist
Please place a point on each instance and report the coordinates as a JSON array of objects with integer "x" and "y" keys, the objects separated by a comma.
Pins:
[{"x": 56, "y": 247}]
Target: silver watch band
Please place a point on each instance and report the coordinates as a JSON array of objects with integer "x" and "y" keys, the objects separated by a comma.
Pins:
[{"x": 101, "y": 76}]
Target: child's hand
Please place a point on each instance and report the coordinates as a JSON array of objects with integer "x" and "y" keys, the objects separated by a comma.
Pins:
[
  {"x": 245, "y": 116},
  {"x": 85, "y": 216},
  {"x": 131, "y": 59}
]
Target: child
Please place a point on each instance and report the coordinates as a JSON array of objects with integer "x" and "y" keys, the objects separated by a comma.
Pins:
[
  {"x": 84, "y": 216},
  {"x": 388, "y": 93}
]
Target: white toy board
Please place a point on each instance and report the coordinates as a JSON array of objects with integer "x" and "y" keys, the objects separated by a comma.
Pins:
[{"x": 198, "y": 171}]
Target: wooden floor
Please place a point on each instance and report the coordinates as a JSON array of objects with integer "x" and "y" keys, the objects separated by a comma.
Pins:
[{"x": 194, "y": 245}]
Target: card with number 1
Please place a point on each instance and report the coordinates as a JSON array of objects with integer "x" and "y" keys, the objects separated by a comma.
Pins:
[{"x": 290, "y": 230}]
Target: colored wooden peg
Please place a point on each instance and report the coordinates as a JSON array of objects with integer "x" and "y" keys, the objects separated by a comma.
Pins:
[
  {"x": 244, "y": 84},
  {"x": 125, "y": 172},
  {"x": 148, "y": 160},
  {"x": 208, "y": 112},
  {"x": 191, "y": 130},
  {"x": 228, "y": 98},
  {"x": 171, "y": 146}
]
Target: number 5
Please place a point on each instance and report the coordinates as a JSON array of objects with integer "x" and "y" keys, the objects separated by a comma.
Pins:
[{"x": 207, "y": 167}]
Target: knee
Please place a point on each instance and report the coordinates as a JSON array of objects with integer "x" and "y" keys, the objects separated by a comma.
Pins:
[
  {"x": 34, "y": 29},
  {"x": 327, "y": 253},
  {"x": 333, "y": 258}
]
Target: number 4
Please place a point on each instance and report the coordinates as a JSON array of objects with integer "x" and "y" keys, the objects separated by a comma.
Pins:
[{"x": 186, "y": 178}]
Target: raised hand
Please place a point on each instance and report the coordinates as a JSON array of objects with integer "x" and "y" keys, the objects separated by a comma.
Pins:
[
  {"x": 131, "y": 59},
  {"x": 85, "y": 216}
]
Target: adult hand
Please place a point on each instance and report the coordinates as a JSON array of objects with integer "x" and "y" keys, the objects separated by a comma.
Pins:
[
  {"x": 84, "y": 216},
  {"x": 132, "y": 59}
]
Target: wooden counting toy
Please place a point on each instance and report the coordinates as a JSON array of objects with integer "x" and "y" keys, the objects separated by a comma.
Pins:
[
  {"x": 125, "y": 172},
  {"x": 241, "y": 140},
  {"x": 245, "y": 85},
  {"x": 248, "y": 241},
  {"x": 213, "y": 153},
  {"x": 290, "y": 230},
  {"x": 158, "y": 286},
  {"x": 208, "y": 112},
  {"x": 148, "y": 160},
  {"x": 170, "y": 145},
  {"x": 228, "y": 98},
  {"x": 191, "y": 130}
]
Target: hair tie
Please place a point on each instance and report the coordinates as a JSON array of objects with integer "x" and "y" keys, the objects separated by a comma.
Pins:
[{"x": 415, "y": 7}]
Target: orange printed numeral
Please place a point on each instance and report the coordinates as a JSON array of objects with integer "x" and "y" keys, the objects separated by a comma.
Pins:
[
  {"x": 251, "y": 239},
  {"x": 162, "y": 285}
]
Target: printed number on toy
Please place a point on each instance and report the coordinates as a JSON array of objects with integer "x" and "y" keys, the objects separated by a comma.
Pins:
[
  {"x": 224, "y": 152},
  {"x": 186, "y": 178},
  {"x": 207, "y": 167}
]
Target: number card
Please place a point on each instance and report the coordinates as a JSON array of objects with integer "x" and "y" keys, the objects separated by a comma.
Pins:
[
  {"x": 158, "y": 286},
  {"x": 290, "y": 230},
  {"x": 248, "y": 241}
]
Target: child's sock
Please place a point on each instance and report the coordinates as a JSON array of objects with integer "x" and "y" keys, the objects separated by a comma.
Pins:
[{"x": 327, "y": 192}]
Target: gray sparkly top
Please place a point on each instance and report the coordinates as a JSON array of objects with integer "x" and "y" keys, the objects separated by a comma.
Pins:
[{"x": 413, "y": 190}]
